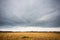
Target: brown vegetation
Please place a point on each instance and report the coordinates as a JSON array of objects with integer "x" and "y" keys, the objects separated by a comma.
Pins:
[{"x": 29, "y": 36}]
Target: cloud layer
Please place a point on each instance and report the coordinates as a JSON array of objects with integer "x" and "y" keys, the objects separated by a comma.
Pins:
[{"x": 42, "y": 13}]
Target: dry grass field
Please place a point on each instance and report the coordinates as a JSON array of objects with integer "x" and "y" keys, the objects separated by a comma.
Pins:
[{"x": 29, "y": 36}]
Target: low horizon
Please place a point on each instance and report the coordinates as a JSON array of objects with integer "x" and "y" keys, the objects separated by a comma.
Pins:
[{"x": 30, "y": 28}]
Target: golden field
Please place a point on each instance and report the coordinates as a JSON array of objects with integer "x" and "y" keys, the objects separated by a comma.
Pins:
[{"x": 29, "y": 36}]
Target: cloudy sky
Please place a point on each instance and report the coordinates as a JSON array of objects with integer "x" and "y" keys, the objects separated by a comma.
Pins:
[{"x": 26, "y": 13}]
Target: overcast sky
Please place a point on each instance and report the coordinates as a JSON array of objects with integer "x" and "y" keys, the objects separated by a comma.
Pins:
[{"x": 38, "y": 13}]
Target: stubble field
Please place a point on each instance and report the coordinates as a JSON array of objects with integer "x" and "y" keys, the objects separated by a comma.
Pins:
[{"x": 29, "y": 36}]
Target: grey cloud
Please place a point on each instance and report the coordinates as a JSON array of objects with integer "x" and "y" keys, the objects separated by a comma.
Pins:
[{"x": 27, "y": 12}]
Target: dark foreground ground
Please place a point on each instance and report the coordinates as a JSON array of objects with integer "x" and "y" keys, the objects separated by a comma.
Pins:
[{"x": 29, "y": 35}]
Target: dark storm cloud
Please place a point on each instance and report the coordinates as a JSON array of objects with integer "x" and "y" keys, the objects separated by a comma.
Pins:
[{"x": 44, "y": 13}]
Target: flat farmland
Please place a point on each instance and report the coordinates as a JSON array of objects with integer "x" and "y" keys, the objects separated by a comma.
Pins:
[{"x": 29, "y": 35}]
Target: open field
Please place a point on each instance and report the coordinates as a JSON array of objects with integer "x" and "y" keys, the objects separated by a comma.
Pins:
[{"x": 29, "y": 36}]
